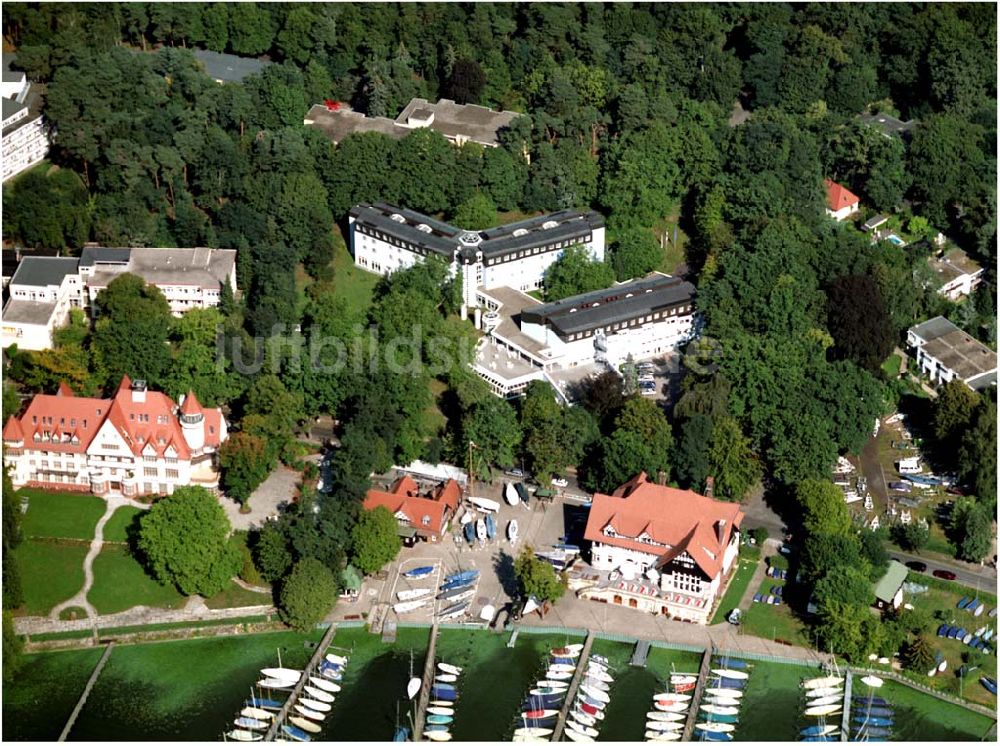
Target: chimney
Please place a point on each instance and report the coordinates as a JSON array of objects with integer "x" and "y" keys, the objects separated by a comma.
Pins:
[
  {"x": 479, "y": 317},
  {"x": 139, "y": 391},
  {"x": 709, "y": 486},
  {"x": 720, "y": 529},
  {"x": 661, "y": 478}
]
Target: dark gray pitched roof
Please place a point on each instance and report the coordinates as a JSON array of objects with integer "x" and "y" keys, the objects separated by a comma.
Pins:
[
  {"x": 622, "y": 302},
  {"x": 445, "y": 239},
  {"x": 228, "y": 67},
  {"x": 42, "y": 271}
]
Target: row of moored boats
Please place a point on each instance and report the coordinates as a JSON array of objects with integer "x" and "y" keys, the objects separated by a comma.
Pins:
[
  {"x": 441, "y": 710},
  {"x": 824, "y": 698},
  {"x": 310, "y": 707},
  {"x": 719, "y": 710},
  {"x": 592, "y": 696}
]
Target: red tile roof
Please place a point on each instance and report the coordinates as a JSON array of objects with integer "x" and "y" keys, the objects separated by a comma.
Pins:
[
  {"x": 12, "y": 430},
  {"x": 676, "y": 520},
  {"x": 68, "y": 424},
  {"x": 839, "y": 197},
  {"x": 191, "y": 404},
  {"x": 405, "y": 498}
]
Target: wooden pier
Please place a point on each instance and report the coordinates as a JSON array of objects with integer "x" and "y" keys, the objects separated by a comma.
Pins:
[
  {"x": 86, "y": 692},
  {"x": 699, "y": 688},
  {"x": 845, "y": 723},
  {"x": 513, "y": 638},
  {"x": 581, "y": 666},
  {"x": 317, "y": 658},
  {"x": 425, "y": 688}
]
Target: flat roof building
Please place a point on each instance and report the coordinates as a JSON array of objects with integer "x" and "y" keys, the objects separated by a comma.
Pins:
[
  {"x": 458, "y": 123},
  {"x": 228, "y": 68},
  {"x": 946, "y": 353},
  {"x": 960, "y": 275},
  {"x": 889, "y": 125}
]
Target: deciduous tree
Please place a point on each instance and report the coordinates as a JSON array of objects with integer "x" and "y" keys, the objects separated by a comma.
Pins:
[
  {"x": 307, "y": 594},
  {"x": 537, "y": 577},
  {"x": 184, "y": 540},
  {"x": 375, "y": 540}
]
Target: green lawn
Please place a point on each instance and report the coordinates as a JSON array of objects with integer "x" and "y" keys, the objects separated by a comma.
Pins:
[
  {"x": 234, "y": 596},
  {"x": 891, "y": 366},
  {"x": 774, "y": 622},
  {"x": 116, "y": 527},
  {"x": 51, "y": 572},
  {"x": 738, "y": 585},
  {"x": 120, "y": 583},
  {"x": 940, "y": 602},
  {"x": 61, "y": 515},
  {"x": 351, "y": 283}
]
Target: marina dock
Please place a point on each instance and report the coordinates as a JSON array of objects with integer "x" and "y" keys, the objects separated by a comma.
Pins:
[
  {"x": 86, "y": 692},
  {"x": 513, "y": 638},
  {"x": 317, "y": 658},
  {"x": 845, "y": 723},
  {"x": 641, "y": 654},
  {"x": 581, "y": 666},
  {"x": 699, "y": 689},
  {"x": 425, "y": 688}
]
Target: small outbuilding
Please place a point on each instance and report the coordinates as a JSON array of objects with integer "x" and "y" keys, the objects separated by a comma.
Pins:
[{"x": 889, "y": 589}]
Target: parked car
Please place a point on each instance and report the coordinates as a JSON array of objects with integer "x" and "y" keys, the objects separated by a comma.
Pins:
[
  {"x": 514, "y": 473},
  {"x": 917, "y": 566},
  {"x": 944, "y": 574},
  {"x": 559, "y": 482}
]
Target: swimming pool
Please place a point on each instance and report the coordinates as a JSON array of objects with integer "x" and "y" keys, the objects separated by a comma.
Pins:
[{"x": 895, "y": 240}]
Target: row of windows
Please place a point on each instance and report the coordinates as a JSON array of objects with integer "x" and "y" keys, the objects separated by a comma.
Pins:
[
  {"x": 638, "y": 321},
  {"x": 153, "y": 459},
  {"x": 151, "y": 472},
  {"x": 513, "y": 256}
]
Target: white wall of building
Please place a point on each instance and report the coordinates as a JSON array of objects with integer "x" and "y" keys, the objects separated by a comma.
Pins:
[
  {"x": 844, "y": 212},
  {"x": 961, "y": 286},
  {"x": 24, "y": 147}
]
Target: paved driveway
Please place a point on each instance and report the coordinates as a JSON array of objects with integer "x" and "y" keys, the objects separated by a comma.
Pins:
[{"x": 278, "y": 488}]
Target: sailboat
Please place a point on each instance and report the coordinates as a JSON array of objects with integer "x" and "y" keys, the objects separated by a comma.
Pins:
[
  {"x": 413, "y": 685},
  {"x": 481, "y": 529},
  {"x": 512, "y": 531},
  {"x": 413, "y": 594},
  {"x": 491, "y": 527},
  {"x": 510, "y": 494}
]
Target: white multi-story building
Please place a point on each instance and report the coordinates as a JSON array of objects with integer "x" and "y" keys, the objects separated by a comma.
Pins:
[
  {"x": 139, "y": 442},
  {"x": 959, "y": 274},
  {"x": 25, "y": 141},
  {"x": 671, "y": 549},
  {"x": 385, "y": 238},
  {"x": 527, "y": 340},
  {"x": 945, "y": 353},
  {"x": 43, "y": 289}
]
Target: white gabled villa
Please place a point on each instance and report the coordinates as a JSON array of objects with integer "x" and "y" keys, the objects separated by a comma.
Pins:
[{"x": 670, "y": 549}]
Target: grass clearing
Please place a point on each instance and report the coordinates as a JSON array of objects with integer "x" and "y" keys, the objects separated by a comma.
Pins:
[
  {"x": 891, "y": 366},
  {"x": 51, "y": 572},
  {"x": 940, "y": 603},
  {"x": 234, "y": 596},
  {"x": 777, "y": 623},
  {"x": 350, "y": 282},
  {"x": 120, "y": 583},
  {"x": 116, "y": 529},
  {"x": 61, "y": 515},
  {"x": 748, "y": 562}
]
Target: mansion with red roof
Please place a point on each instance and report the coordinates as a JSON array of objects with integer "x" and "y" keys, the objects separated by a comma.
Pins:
[
  {"x": 138, "y": 442},
  {"x": 425, "y": 515},
  {"x": 671, "y": 548}
]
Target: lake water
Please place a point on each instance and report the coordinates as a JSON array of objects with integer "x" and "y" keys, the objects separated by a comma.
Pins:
[{"x": 192, "y": 689}]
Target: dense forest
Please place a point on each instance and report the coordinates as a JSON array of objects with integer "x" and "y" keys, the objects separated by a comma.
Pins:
[{"x": 627, "y": 109}]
